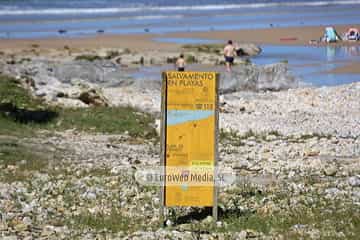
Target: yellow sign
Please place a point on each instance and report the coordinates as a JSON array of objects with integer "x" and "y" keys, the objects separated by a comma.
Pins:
[{"x": 190, "y": 108}]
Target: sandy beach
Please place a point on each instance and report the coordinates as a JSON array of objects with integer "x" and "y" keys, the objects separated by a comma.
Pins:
[
  {"x": 351, "y": 68},
  {"x": 280, "y": 36},
  {"x": 138, "y": 42},
  {"x": 149, "y": 44},
  {"x": 141, "y": 42}
]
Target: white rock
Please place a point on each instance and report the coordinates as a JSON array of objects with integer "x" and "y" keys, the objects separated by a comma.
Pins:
[
  {"x": 168, "y": 223},
  {"x": 354, "y": 181}
]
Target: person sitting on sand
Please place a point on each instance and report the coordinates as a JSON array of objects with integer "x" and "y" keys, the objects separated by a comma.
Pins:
[
  {"x": 180, "y": 63},
  {"x": 229, "y": 54}
]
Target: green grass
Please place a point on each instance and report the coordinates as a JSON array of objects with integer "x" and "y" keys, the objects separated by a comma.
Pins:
[
  {"x": 19, "y": 161},
  {"x": 190, "y": 59},
  {"x": 21, "y": 114},
  {"x": 303, "y": 138},
  {"x": 105, "y": 120},
  {"x": 13, "y": 98},
  {"x": 109, "y": 55},
  {"x": 12, "y": 93},
  {"x": 247, "y": 220},
  {"x": 112, "y": 54},
  {"x": 317, "y": 135},
  {"x": 11, "y": 128},
  {"x": 113, "y": 222},
  {"x": 328, "y": 216},
  {"x": 234, "y": 138},
  {"x": 205, "y": 48},
  {"x": 89, "y": 58},
  {"x": 95, "y": 172}
]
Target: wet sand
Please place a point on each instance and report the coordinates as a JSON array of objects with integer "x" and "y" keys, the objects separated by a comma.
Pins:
[
  {"x": 278, "y": 36},
  {"x": 351, "y": 68},
  {"x": 138, "y": 42},
  {"x": 141, "y": 42}
]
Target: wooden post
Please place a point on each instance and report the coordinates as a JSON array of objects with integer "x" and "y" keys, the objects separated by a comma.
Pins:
[
  {"x": 216, "y": 189},
  {"x": 163, "y": 144}
]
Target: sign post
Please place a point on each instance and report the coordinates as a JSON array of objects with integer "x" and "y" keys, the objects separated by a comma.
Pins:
[{"x": 189, "y": 132}]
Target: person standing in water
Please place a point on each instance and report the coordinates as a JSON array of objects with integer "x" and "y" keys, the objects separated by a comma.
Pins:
[
  {"x": 180, "y": 63},
  {"x": 229, "y": 54}
]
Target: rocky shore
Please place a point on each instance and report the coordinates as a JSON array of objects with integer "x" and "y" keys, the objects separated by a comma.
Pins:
[
  {"x": 295, "y": 152},
  {"x": 332, "y": 111},
  {"x": 104, "y": 77},
  {"x": 87, "y": 191}
]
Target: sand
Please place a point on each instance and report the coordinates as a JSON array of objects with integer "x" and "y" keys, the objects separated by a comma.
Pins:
[
  {"x": 139, "y": 42},
  {"x": 142, "y": 42},
  {"x": 288, "y": 36},
  {"x": 351, "y": 68}
]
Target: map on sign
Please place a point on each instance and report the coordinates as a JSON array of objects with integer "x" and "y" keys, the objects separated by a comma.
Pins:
[{"x": 190, "y": 117}]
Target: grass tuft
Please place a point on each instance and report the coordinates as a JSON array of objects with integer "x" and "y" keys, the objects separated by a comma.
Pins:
[
  {"x": 22, "y": 114},
  {"x": 205, "y": 48},
  {"x": 19, "y": 161},
  {"x": 89, "y": 58},
  {"x": 114, "y": 222}
]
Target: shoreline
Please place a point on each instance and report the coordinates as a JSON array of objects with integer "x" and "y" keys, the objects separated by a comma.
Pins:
[
  {"x": 274, "y": 36},
  {"x": 349, "y": 68},
  {"x": 145, "y": 42},
  {"x": 132, "y": 48}
]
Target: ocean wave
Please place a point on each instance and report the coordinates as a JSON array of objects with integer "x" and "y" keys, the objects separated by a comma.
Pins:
[
  {"x": 149, "y": 17},
  {"x": 114, "y": 10}
]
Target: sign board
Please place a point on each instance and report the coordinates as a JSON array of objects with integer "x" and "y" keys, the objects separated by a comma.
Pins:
[{"x": 189, "y": 137}]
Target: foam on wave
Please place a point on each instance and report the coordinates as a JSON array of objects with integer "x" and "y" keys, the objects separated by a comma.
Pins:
[{"x": 114, "y": 10}]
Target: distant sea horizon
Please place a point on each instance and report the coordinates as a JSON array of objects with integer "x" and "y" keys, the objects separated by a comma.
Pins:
[{"x": 78, "y": 18}]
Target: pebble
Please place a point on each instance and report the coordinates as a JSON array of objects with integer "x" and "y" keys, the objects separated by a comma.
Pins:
[
  {"x": 354, "y": 181},
  {"x": 242, "y": 235},
  {"x": 10, "y": 238},
  {"x": 330, "y": 171},
  {"x": 168, "y": 223}
]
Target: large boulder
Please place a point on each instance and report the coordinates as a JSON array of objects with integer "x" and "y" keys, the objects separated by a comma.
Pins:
[
  {"x": 93, "y": 97},
  {"x": 244, "y": 49},
  {"x": 250, "y": 77},
  {"x": 87, "y": 93},
  {"x": 47, "y": 73},
  {"x": 71, "y": 103},
  {"x": 84, "y": 70},
  {"x": 101, "y": 72},
  {"x": 248, "y": 49},
  {"x": 276, "y": 77}
]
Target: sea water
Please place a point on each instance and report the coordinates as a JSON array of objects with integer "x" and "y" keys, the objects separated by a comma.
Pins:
[
  {"x": 312, "y": 65},
  {"x": 44, "y": 18}
]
